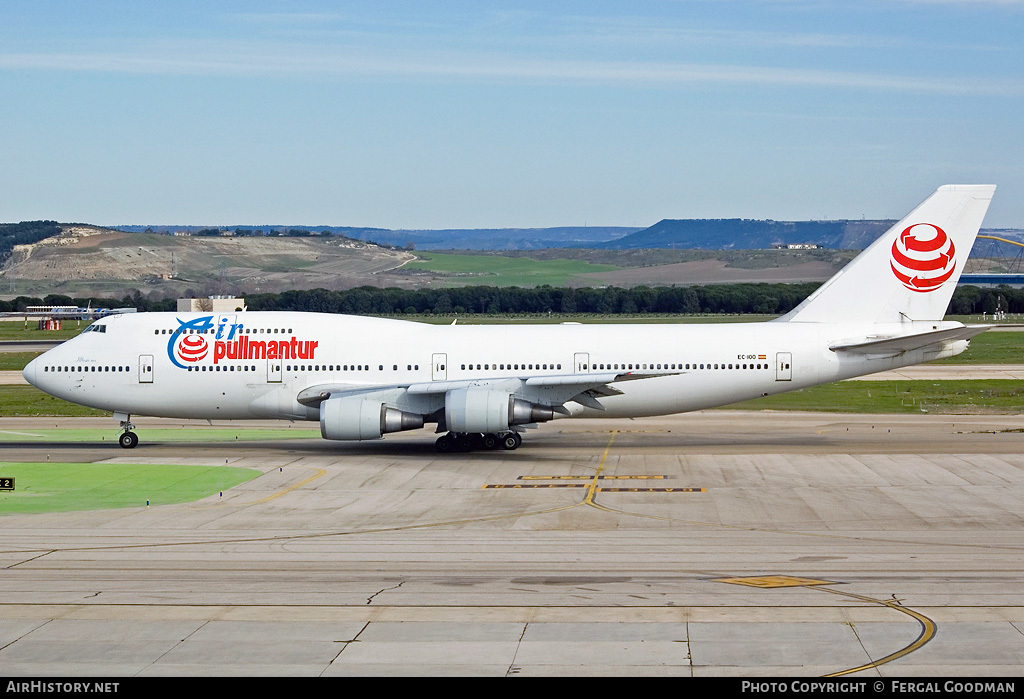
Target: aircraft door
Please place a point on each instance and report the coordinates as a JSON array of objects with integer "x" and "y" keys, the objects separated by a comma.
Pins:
[
  {"x": 145, "y": 368},
  {"x": 273, "y": 371},
  {"x": 439, "y": 367},
  {"x": 582, "y": 362},
  {"x": 784, "y": 366}
]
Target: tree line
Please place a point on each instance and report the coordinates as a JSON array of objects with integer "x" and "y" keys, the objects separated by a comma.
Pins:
[
  {"x": 23, "y": 233},
  {"x": 768, "y": 299}
]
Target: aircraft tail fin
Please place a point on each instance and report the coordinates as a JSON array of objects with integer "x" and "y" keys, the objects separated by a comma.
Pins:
[{"x": 910, "y": 272}]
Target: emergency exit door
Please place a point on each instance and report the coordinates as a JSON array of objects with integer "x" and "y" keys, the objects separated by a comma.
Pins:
[
  {"x": 582, "y": 362},
  {"x": 273, "y": 371},
  {"x": 784, "y": 366},
  {"x": 145, "y": 368},
  {"x": 439, "y": 367}
]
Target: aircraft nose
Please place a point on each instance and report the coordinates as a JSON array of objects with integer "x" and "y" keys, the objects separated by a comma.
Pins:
[{"x": 30, "y": 371}]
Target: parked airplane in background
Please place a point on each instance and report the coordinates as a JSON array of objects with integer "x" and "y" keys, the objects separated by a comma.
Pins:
[
  {"x": 64, "y": 312},
  {"x": 482, "y": 385}
]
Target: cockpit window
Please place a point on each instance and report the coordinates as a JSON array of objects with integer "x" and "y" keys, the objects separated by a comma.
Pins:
[{"x": 95, "y": 328}]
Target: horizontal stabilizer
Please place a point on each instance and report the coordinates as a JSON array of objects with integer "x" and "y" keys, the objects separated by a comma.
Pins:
[{"x": 905, "y": 343}]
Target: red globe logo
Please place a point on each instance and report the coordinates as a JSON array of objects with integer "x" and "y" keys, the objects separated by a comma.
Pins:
[
  {"x": 923, "y": 257},
  {"x": 192, "y": 348}
]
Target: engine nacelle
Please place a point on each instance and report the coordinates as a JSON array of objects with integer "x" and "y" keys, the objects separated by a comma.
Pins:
[
  {"x": 363, "y": 418},
  {"x": 482, "y": 410}
]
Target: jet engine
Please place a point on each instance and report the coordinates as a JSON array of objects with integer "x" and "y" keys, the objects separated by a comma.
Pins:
[
  {"x": 353, "y": 417},
  {"x": 483, "y": 410}
]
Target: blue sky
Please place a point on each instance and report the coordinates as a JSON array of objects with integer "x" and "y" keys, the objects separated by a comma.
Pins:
[{"x": 520, "y": 114}]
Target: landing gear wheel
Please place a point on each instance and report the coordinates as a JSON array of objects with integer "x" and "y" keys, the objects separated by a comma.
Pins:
[
  {"x": 464, "y": 442},
  {"x": 444, "y": 443},
  {"x": 511, "y": 440},
  {"x": 128, "y": 440},
  {"x": 491, "y": 441}
]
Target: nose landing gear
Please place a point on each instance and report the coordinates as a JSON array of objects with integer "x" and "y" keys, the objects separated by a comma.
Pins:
[{"x": 128, "y": 439}]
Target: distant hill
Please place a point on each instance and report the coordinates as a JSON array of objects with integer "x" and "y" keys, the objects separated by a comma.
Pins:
[
  {"x": 501, "y": 238},
  {"x": 83, "y": 260},
  {"x": 682, "y": 234},
  {"x": 749, "y": 234},
  {"x": 440, "y": 239},
  {"x": 24, "y": 233}
]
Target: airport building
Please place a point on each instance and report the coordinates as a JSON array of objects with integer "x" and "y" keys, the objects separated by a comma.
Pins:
[{"x": 211, "y": 304}]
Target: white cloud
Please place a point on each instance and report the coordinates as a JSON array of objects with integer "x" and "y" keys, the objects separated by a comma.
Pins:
[{"x": 245, "y": 60}]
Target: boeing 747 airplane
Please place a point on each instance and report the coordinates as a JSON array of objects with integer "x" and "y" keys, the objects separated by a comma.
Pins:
[{"x": 483, "y": 385}]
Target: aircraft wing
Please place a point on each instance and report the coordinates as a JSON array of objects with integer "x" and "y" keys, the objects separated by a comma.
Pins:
[
  {"x": 584, "y": 389},
  {"x": 905, "y": 343}
]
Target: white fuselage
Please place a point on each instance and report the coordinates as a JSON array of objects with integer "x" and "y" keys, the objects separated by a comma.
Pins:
[{"x": 255, "y": 364}]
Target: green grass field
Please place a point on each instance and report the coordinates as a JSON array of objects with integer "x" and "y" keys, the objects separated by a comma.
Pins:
[
  {"x": 29, "y": 401},
  {"x": 57, "y": 433},
  {"x": 969, "y": 397},
  {"x": 991, "y": 348},
  {"x": 63, "y": 487},
  {"x": 593, "y": 318},
  {"x": 15, "y": 331},
  {"x": 494, "y": 270},
  {"x": 16, "y": 361}
]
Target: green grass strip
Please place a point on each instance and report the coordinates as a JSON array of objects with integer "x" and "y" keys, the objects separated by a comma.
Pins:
[
  {"x": 29, "y": 401},
  {"x": 64, "y": 487},
  {"x": 504, "y": 271},
  {"x": 964, "y": 397},
  {"x": 16, "y": 361},
  {"x": 156, "y": 435},
  {"x": 1005, "y": 347},
  {"x": 17, "y": 332}
]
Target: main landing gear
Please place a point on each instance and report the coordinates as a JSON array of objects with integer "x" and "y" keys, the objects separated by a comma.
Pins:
[
  {"x": 128, "y": 439},
  {"x": 463, "y": 441}
]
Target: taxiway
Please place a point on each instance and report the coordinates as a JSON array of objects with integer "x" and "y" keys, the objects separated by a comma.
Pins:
[{"x": 714, "y": 543}]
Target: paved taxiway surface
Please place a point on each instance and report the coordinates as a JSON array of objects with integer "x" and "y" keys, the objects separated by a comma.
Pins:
[{"x": 809, "y": 544}]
